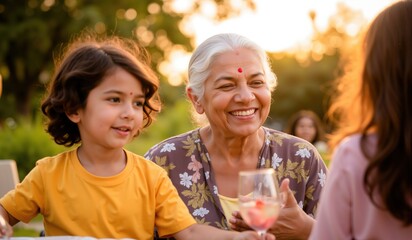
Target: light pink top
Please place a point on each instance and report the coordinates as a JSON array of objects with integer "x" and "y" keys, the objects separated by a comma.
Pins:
[{"x": 345, "y": 210}]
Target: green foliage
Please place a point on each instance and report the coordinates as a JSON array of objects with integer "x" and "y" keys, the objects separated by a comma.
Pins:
[
  {"x": 28, "y": 230},
  {"x": 302, "y": 87},
  {"x": 32, "y": 33},
  {"x": 26, "y": 143},
  {"x": 25, "y": 232},
  {"x": 172, "y": 121}
]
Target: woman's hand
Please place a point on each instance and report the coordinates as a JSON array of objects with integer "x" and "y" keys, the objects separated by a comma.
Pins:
[
  {"x": 292, "y": 223},
  {"x": 237, "y": 223}
]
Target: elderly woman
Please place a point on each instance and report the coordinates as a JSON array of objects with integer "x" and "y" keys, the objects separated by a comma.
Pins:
[{"x": 230, "y": 85}]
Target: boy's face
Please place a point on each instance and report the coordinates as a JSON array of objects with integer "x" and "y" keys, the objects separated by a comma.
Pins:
[{"x": 114, "y": 111}]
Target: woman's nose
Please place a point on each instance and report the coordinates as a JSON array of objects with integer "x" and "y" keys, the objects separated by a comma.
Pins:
[{"x": 245, "y": 94}]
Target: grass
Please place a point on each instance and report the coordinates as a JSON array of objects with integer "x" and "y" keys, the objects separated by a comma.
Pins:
[{"x": 27, "y": 232}]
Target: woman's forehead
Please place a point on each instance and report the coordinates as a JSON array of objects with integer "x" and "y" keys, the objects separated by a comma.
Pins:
[{"x": 240, "y": 61}]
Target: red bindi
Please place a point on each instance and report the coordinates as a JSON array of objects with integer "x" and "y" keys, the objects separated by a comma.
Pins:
[{"x": 240, "y": 70}]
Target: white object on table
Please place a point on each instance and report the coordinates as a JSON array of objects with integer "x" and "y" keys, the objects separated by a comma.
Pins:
[{"x": 9, "y": 176}]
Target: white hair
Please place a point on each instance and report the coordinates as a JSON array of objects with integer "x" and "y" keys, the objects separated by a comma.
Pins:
[{"x": 204, "y": 55}]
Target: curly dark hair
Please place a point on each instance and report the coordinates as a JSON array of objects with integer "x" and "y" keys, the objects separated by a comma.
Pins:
[{"x": 82, "y": 66}]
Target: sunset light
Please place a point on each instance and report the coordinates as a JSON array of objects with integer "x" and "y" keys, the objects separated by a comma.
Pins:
[
  {"x": 281, "y": 25},
  {"x": 277, "y": 26}
]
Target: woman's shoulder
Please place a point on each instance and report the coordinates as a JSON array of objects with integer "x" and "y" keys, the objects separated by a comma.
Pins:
[
  {"x": 352, "y": 143},
  {"x": 349, "y": 152},
  {"x": 284, "y": 139}
]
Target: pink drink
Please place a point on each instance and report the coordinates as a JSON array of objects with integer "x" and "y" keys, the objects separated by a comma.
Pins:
[{"x": 260, "y": 215}]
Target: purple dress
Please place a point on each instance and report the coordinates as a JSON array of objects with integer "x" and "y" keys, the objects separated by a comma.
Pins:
[{"x": 187, "y": 162}]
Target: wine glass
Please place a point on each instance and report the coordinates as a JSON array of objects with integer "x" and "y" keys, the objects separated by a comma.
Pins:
[{"x": 259, "y": 199}]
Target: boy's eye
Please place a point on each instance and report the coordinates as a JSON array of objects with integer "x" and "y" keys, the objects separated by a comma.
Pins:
[
  {"x": 115, "y": 99},
  {"x": 139, "y": 103}
]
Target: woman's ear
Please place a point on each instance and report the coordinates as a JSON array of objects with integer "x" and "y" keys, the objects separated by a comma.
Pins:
[
  {"x": 195, "y": 101},
  {"x": 74, "y": 117}
]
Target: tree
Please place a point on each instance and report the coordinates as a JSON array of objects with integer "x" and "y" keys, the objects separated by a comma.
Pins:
[
  {"x": 32, "y": 32},
  {"x": 306, "y": 77}
]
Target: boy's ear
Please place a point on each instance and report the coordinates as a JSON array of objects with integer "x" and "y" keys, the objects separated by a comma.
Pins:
[
  {"x": 74, "y": 117},
  {"x": 195, "y": 101}
]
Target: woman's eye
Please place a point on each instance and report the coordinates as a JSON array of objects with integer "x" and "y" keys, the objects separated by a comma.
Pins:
[
  {"x": 257, "y": 83},
  {"x": 226, "y": 86}
]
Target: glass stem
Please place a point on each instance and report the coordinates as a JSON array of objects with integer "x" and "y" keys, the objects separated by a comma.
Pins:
[{"x": 262, "y": 234}]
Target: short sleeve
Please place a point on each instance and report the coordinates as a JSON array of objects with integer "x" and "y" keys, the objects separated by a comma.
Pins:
[
  {"x": 26, "y": 200},
  {"x": 172, "y": 214}
]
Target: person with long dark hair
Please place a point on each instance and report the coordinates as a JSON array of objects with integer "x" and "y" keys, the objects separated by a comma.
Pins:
[{"x": 368, "y": 194}]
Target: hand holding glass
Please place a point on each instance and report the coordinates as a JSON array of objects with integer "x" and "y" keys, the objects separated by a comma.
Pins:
[{"x": 259, "y": 200}]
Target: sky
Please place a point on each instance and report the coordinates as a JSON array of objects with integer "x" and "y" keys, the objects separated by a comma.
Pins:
[{"x": 276, "y": 25}]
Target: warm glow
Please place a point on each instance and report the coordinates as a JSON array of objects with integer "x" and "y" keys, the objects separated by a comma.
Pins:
[
  {"x": 277, "y": 26},
  {"x": 282, "y": 25},
  {"x": 175, "y": 68},
  {"x": 130, "y": 14},
  {"x": 1, "y": 84}
]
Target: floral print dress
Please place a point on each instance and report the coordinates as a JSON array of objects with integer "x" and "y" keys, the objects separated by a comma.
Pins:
[{"x": 187, "y": 162}]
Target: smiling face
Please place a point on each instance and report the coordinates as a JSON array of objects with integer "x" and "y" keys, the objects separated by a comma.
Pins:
[
  {"x": 113, "y": 113},
  {"x": 237, "y": 98}
]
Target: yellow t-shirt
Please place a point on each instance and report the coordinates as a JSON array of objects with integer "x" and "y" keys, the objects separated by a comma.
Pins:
[
  {"x": 77, "y": 203},
  {"x": 229, "y": 205}
]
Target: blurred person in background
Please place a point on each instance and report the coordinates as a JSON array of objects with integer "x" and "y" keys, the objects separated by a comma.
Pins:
[
  {"x": 368, "y": 194},
  {"x": 307, "y": 125}
]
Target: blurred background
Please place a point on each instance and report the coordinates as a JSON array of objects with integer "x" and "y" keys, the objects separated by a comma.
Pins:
[{"x": 308, "y": 42}]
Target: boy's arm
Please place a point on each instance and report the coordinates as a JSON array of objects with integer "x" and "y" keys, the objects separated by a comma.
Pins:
[
  {"x": 200, "y": 232},
  {"x": 9, "y": 218},
  {"x": 5, "y": 227}
]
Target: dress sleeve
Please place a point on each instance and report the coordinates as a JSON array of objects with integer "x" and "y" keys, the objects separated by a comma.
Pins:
[{"x": 317, "y": 174}]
